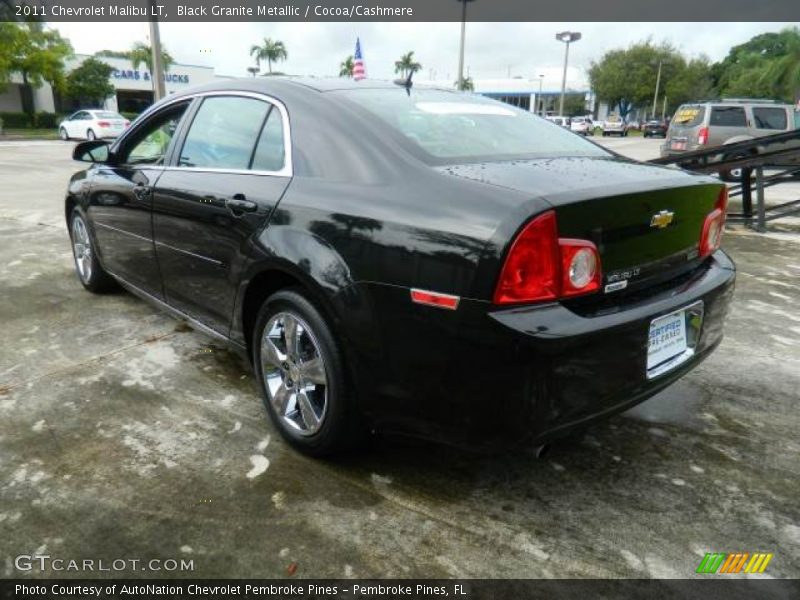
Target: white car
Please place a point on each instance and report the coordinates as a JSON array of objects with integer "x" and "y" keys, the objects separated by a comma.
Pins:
[
  {"x": 582, "y": 125},
  {"x": 92, "y": 124}
]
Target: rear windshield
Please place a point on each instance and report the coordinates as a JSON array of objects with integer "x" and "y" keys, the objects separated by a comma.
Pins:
[
  {"x": 103, "y": 114},
  {"x": 453, "y": 126},
  {"x": 689, "y": 115}
]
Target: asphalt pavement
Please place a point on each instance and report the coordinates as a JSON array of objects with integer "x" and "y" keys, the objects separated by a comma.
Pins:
[{"x": 126, "y": 435}]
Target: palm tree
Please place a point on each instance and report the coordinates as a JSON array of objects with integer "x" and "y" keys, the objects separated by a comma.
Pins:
[
  {"x": 465, "y": 85},
  {"x": 346, "y": 67},
  {"x": 142, "y": 54},
  {"x": 406, "y": 65},
  {"x": 271, "y": 51},
  {"x": 253, "y": 70}
]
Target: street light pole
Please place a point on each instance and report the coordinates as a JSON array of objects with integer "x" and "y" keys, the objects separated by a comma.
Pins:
[
  {"x": 159, "y": 88},
  {"x": 658, "y": 83},
  {"x": 567, "y": 37},
  {"x": 460, "y": 82}
]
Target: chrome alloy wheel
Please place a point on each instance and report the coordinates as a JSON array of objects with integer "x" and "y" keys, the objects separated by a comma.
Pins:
[
  {"x": 294, "y": 373},
  {"x": 82, "y": 248}
]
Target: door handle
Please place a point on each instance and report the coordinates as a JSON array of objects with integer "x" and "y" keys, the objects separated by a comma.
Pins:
[{"x": 239, "y": 204}]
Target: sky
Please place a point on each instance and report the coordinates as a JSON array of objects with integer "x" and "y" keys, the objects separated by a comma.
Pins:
[{"x": 493, "y": 50}]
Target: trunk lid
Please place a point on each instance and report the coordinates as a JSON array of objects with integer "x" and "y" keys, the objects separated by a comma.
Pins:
[{"x": 645, "y": 220}]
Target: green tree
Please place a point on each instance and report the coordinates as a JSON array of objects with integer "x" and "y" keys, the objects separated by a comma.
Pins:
[
  {"x": 141, "y": 53},
  {"x": 88, "y": 84},
  {"x": 272, "y": 51},
  {"x": 346, "y": 67},
  {"x": 766, "y": 66},
  {"x": 626, "y": 78},
  {"x": 574, "y": 105},
  {"x": 406, "y": 65},
  {"x": 36, "y": 53}
]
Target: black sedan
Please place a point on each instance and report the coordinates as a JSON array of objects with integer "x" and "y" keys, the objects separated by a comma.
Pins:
[
  {"x": 424, "y": 262},
  {"x": 655, "y": 129}
]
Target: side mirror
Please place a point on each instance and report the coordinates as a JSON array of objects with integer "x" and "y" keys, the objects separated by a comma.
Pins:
[{"x": 93, "y": 151}]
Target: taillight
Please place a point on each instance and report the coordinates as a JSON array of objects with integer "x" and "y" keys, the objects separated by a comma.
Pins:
[
  {"x": 714, "y": 225},
  {"x": 127, "y": 123},
  {"x": 103, "y": 124},
  {"x": 702, "y": 136},
  {"x": 540, "y": 266}
]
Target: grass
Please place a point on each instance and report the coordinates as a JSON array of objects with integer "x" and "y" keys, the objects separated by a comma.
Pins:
[{"x": 29, "y": 134}]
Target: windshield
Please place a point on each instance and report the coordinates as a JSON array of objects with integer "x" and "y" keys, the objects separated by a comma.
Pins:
[{"x": 453, "y": 126}]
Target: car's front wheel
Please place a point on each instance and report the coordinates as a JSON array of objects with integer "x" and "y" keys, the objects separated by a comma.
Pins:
[
  {"x": 300, "y": 370},
  {"x": 91, "y": 274},
  {"x": 62, "y": 133},
  {"x": 90, "y": 135}
]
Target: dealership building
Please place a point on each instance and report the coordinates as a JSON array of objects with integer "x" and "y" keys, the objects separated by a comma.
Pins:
[{"x": 133, "y": 88}]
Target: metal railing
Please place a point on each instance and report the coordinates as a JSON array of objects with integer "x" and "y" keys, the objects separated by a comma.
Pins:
[{"x": 780, "y": 151}]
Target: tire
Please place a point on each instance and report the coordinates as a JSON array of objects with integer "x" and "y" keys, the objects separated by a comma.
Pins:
[
  {"x": 326, "y": 421},
  {"x": 732, "y": 175},
  {"x": 87, "y": 267},
  {"x": 62, "y": 133},
  {"x": 90, "y": 135}
]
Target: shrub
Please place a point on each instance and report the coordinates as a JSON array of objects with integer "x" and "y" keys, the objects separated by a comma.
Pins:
[
  {"x": 129, "y": 115},
  {"x": 47, "y": 120},
  {"x": 15, "y": 120}
]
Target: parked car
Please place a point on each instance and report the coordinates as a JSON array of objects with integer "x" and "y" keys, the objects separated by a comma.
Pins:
[
  {"x": 427, "y": 262},
  {"x": 655, "y": 128},
  {"x": 713, "y": 124},
  {"x": 92, "y": 124},
  {"x": 563, "y": 121},
  {"x": 614, "y": 125},
  {"x": 582, "y": 125}
]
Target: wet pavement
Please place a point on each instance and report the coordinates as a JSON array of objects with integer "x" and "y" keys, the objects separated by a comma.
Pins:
[{"x": 126, "y": 435}]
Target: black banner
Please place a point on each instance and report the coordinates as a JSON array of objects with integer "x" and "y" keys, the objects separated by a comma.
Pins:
[
  {"x": 712, "y": 588},
  {"x": 401, "y": 10}
]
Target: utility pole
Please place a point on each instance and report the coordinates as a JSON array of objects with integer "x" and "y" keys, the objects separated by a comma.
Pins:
[
  {"x": 539, "y": 99},
  {"x": 159, "y": 87},
  {"x": 567, "y": 37},
  {"x": 664, "y": 108},
  {"x": 658, "y": 83}
]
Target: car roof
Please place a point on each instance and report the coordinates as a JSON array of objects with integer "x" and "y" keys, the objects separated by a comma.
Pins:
[{"x": 277, "y": 83}]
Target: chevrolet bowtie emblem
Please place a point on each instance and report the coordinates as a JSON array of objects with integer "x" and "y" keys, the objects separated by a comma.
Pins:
[{"x": 662, "y": 219}]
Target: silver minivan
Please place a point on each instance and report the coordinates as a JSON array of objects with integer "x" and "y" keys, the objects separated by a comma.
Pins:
[{"x": 710, "y": 124}]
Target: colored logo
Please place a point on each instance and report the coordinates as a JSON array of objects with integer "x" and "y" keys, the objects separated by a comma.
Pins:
[
  {"x": 662, "y": 219},
  {"x": 734, "y": 562}
]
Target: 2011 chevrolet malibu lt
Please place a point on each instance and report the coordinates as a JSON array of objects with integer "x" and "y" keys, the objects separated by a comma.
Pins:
[{"x": 407, "y": 260}]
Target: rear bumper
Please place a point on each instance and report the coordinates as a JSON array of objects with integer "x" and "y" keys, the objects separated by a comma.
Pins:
[{"x": 488, "y": 378}]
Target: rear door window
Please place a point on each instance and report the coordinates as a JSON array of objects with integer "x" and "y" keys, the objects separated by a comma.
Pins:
[
  {"x": 728, "y": 116},
  {"x": 766, "y": 117},
  {"x": 223, "y": 133}
]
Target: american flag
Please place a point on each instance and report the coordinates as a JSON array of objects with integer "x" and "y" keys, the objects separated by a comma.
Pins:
[{"x": 359, "y": 70}]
